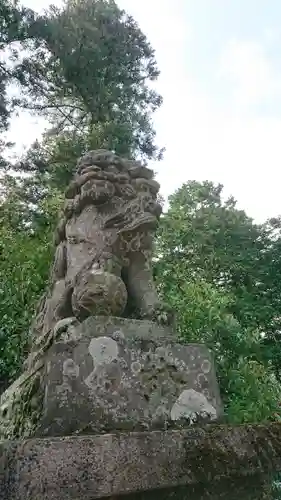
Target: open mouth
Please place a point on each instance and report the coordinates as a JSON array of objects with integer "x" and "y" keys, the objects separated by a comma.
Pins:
[{"x": 144, "y": 220}]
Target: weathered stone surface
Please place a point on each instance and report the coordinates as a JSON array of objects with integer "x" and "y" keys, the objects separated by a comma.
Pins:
[
  {"x": 102, "y": 263},
  {"x": 107, "y": 374},
  {"x": 88, "y": 371},
  {"x": 216, "y": 462},
  {"x": 115, "y": 374},
  {"x": 102, "y": 266}
]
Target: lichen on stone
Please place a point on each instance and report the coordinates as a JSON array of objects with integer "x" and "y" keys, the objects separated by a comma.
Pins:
[{"x": 22, "y": 408}]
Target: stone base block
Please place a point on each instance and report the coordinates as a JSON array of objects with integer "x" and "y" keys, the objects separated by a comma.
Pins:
[
  {"x": 216, "y": 462},
  {"x": 114, "y": 374}
]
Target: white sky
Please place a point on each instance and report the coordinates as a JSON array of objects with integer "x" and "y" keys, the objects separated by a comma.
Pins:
[{"x": 221, "y": 117}]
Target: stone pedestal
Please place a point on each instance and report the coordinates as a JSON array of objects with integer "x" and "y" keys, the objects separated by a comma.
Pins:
[
  {"x": 117, "y": 374},
  {"x": 110, "y": 374},
  {"x": 214, "y": 462}
]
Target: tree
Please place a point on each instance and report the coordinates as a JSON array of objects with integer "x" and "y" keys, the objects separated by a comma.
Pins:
[
  {"x": 249, "y": 390},
  {"x": 94, "y": 71},
  {"x": 270, "y": 290},
  {"x": 211, "y": 239},
  {"x": 19, "y": 32},
  {"x": 209, "y": 269},
  {"x": 18, "y": 26},
  {"x": 25, "y": 258},
  {"x": 88, "y": 68},
  {"x": 89, "y": 74}
]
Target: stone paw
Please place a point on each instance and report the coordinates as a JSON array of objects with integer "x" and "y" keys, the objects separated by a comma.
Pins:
[
  {"x": 162, "y": 314},
  {"x": 62, "y": 325}
]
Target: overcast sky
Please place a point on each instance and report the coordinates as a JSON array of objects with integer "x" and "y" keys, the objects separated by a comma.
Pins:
[{"x": 220, "y": 63}]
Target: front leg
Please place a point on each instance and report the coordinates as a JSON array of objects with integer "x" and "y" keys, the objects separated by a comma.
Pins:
[{"x": 142, "y": 295}]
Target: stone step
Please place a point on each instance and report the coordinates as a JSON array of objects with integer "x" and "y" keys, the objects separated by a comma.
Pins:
[{"x": 214, "y": 461}]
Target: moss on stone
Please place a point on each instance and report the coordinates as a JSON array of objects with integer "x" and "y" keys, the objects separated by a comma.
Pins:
[{"x": 22, "y": 409}]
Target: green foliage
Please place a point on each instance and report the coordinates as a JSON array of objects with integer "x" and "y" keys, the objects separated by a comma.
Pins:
[
  {"x": 15, "y": 22},
  {"x": 208, "y": 269},
  {"x": 95, "y": 66},
  {"x": 213, "y": 238},
  {"x": 18, "y": 27},
  {"x": 250, "y": 393},
  {"x": 24, "y": 266},
  {"x": 255, "y": 394},
  {"x": 26, "y": 253}
]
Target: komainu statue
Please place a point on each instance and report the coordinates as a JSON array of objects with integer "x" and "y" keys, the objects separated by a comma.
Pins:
[
  {"x": 103, "y": 354},
  {"x": 104, "y": 239}
]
